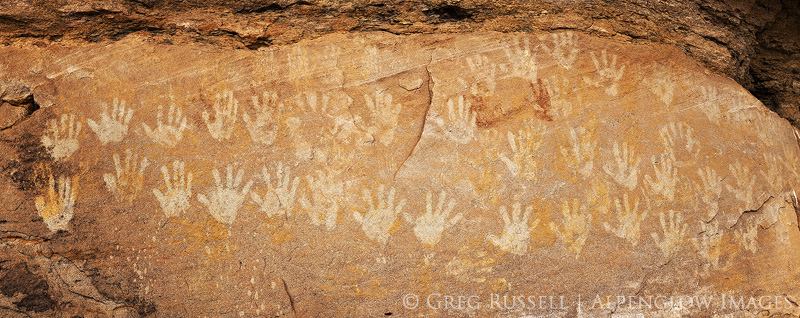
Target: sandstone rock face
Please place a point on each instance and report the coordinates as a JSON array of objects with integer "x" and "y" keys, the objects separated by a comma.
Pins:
[{"x": 373, "y": 174}]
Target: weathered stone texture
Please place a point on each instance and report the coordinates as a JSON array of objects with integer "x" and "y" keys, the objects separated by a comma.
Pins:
[{"x": 334, "y": 176}]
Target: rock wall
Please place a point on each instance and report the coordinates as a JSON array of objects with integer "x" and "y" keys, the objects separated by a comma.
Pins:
[{"x": 373, "y": 174}]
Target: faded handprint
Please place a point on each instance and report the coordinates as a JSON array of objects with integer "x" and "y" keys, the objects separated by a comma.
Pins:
[
  {"x": 626, "y": 172},
  {"x": 663, "y": 84},
  {"x": 575, "y": 228},
  {"x": 709, "y": 246},
  {"x": 748, "y": 236},
  {"x": 516, "y": 231},
  {"x": 57, "y": 209},
  {"x": 63, "y": 140},
  {"x": 461, "y": 125},
  {"x": 521, "y": 60},
  {"x": 224, "y": 116},
  {"x": 485, "y": 74},
  {"x": 709, "y": 103},
  {"x": 280, "y": 197},
  {"x": 607, "y": 72},
  {"x": 773, "y": 172},
  {"x": 666, "y": 178},
  {"x": 175, "y": 200},
  {"x": 542, "y": 106},
  {"x": 523, "y": 148},
  {"x": 263, "y": 127},
  {"x": 580, "y": 155},
  {"x": 674, "y": 233},
  {"x": 565, "y": 49},
  {"x": 744, "y": 182},
  {"x": 710, "y": 189},
  {"x": 380, "y": 217},
  {"x": 127, "y": 183},
  {"x": 429, "y": 226},
  {"x": 168, "y": 134},
  {"x": 114, "y": 126},
  {"x": 323, "y": 205},
  {"x": 673, "y": 133},
  {"x": 384, "y": 116},
  {"x": 224, "y": 200},
  {"x": 629, "y": 220}
]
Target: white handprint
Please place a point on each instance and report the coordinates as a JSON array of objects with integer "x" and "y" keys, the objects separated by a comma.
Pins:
[
  {"x": 709, "y": 103},
  {"x": 461, "y": 124},
  {"x": 224, "y": 116},
  {"x": 516, "y": 231},
  {"x": 128, "y": 180},
  {"x": 607, "y": 72},
  {"x": 564, "y": 49},
  {"x": 666, "y": 176},
  {"x": 384, "y": 116},
  {"x": 63, "y": 141},
  {"x": 521, "y": 60},
  {"x": 627, "y": 166},
  {"x": 663, "y": 84},
  {"x": 224, "y": 201},
  {"x": 57, "y": 209},
  {"x": 430, "y": 225},
  {"x": 323, "y": 205},
  {"x": 672, "y": 133},
  {"x": 709, "y": 246},
  {"x": 114, "y": 126},
  {"x": 263, "y": 127},
  {"x": 710, "y": 189},
  {"x": 629, "y": 220},
  {"x": 575, "y": 231},
  {"x": 674, "y": 233},
  {"x": 175, "y": 200},
  {"x": 280, "y": 197},
  {"x": 744, "y": 182},
  {"x": 382, "y": 213},
  {"x": 169, "y": 133}
]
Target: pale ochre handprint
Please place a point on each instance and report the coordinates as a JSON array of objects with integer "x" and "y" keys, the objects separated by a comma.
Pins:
[
  {"x": 710, "y": 103},
  {"x": 56, "y": 209},
  {"x": 521, "y": 60},
  {"x": 461, "y": 125},
  {"x": 677, "y": 135},
  {"x": 747, "y": 235},
  {"x": 378, "y": 220},
  {"x": 666, "y": 178},
  {"x": 523, "y": 149},
  {"x": 263, "y": 127},
  {"x": 224, "y": 116},
  {"x": 580, "y": 153},
  {"x": 626, "y": 173},
  {"x": 175, "y": 200},
  {"x": 516, "y": 230},
  {"x": 744, "y": 182},
  {"x": 322, "y": 205},
  {"x": 607, "y": 72},
  {"x": 674, "y": 233},
  {"x": 429, "y": 226},
  {"x": 629, "y": 220},
  {"x": 709, "y": 245},
  {"x": 128, "y": 181},
  {"x": 280, "y": 197},
  {"x": 224, "y": 200},
  {"x": 113, "y": 126},
  {"x": 710, "y": 190},
  {"x": 575, "y": 230},
  {"x": 662, "y": 84},
  {"x": 565, "y": 49},
  {"x": 383, "y": 113},
  {"x": 63, "y": 139},
  {"x": 170, "y": 133}
]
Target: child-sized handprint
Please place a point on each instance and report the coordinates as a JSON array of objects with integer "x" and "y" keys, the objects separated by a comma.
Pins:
[
  {"x": 575, "y": 230},
  {"x": 523, "y": 159},
  {"x": 63, "y": 139},
  {"x": 516, "y": 231},
  {"x": 461, "y": 124},
  {"x": 175, "y": 200},
  {"x": 280, "y": 197},
  {"x": 674, "y": 233},
  {"x": 57, "y": 209},
  {"x": 378, "y": 220},
  {"x": 113, "y": 126},
  {"x": 127, "y": 183},
  {"x": 224, "y": 116},
  {"x": 666, "y": 178},
  {"x": 626, "y": 173},
  {"x": 629, "y": 220},
  {"x": 429, "y": 226},
  {"x": 224, "y": 200},
  {"x": 170, "y": 133}
]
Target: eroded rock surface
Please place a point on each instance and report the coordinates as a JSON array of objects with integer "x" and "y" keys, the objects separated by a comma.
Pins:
[{"x": 337, "y": 176}]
